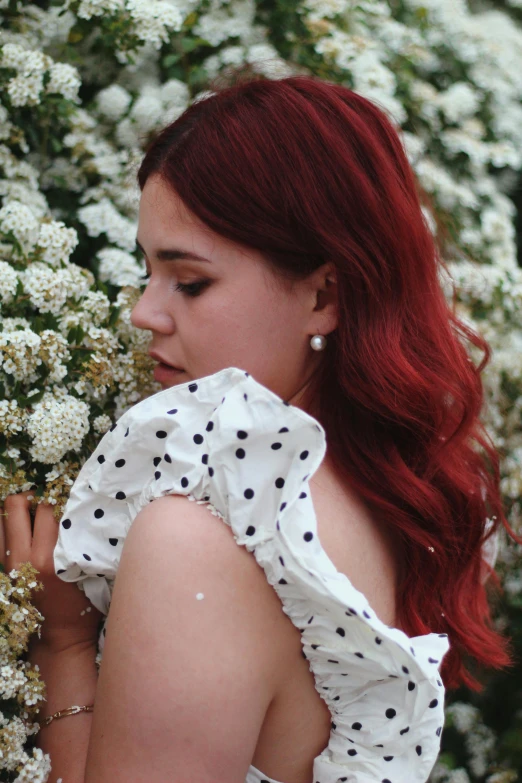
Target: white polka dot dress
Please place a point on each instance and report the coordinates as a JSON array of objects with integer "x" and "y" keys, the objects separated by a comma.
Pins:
[{"x": 228, "y": 441}]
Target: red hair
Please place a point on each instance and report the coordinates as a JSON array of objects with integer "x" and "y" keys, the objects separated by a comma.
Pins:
[{"x": 308, "y": 171}]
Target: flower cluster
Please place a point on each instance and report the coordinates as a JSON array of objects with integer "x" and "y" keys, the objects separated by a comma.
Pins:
[
  {"x": 70, "y": 361},
  {"x": 21, "y": 689}
]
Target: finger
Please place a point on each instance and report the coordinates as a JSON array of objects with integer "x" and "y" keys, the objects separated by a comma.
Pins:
[
  {"x": 45, "y": 536},
  {"x": 17, "y": 529}
]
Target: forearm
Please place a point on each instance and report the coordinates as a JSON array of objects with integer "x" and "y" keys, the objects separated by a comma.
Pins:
[{"x": 71, "y": 677}]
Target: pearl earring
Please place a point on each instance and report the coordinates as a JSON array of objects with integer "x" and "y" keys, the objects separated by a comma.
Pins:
[{"x": 318, "y": 342}]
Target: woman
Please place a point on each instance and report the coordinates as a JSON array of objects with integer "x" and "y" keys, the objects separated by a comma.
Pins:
[{"x": 319, "y": 400}]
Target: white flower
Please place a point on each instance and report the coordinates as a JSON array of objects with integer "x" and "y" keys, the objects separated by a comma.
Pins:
[
  {"x": 90, "y": 8},
  {"x": 19, "y": 353},
  {"x": 19, "y": 219},
  {"x": 154, "y": 19},
  {"x": 113, "y": 101},
  {"x": 104, "y": 218},
  {"x": 57, "y": 241},
  {"x": 8, "y": 282},
  {"x": 64, "y": 80},
  {"x": 458, "y": 101},
  {"x": 57, "y": 426},
  {"x": 119, "y": 268},
  {"x": 102, "y": 423}
]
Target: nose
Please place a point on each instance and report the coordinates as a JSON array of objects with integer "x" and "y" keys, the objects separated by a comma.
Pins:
[{"x": 149, "y": 314}]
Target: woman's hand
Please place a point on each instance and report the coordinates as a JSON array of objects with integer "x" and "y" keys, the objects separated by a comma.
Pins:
[{"x": 70, "y": 618}]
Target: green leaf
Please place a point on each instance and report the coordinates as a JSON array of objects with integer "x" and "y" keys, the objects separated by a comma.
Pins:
[
  {"x": 114, "y": 315},
  {"x": 170, "y": 59}
]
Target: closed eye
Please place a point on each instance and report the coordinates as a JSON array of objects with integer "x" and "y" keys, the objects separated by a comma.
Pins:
[{"x": 192, "y": 289}]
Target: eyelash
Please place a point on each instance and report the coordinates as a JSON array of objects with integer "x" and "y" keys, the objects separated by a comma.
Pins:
[{"x": 191, "y": 289}]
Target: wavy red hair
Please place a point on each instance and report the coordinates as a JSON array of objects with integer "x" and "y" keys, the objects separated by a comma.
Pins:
[{"x": 308, "y": 171}]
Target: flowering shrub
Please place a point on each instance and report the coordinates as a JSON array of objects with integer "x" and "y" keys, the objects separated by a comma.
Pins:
[{"x": 84, "y": 84}]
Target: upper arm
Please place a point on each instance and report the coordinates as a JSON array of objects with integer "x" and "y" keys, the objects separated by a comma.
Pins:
[{"x": 184, "y": 684}]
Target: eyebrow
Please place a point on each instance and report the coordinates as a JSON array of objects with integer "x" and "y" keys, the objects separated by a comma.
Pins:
[{"x": 174, "y": 254}]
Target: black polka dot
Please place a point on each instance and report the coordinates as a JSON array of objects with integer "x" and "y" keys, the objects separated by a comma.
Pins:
[
  {"x": 99, "y": 513},
  {"x": 405, "y": 670},
  {"x": 161, "y": 434},
  {"x": 120, "y": 495},
  {"x": 112, "y": 428},
  {"x": 101, "y": 459},
  {"x": 242, "y": 434},
  {"x": 412, "y": 651},
  {"x": 315, "y": 646},
  {"x": 388, "y": 758},
  {"x": 211, "y": 472},
  {"x": 157, "y": 475},
  {"x": 351, "y": 611},
  {"x": 156, "y": 461},
  {"x": 184, "y": 481},
  {"x": 284, "y": 582},
  {"x": 443, "y": 635},
  {"x": 433, "y": 703},
  {"x": 390, "y": 712},
  {"x": 341, "y": 631},
  {"x": 359, "y": 655},
  {"x": 167, "y": 458},
  {"x": 174, "y": 410},
  {"x": 248, "y": 493},
  {"x": 277, "y": 525},
  {"x": 438, "y": 732},
  {"x": 113, "y": 541},
  {"x": 250, "y": 530},
  {"x": 210, "y": 426},
  {"x": 280, "y": 482},
  {"x": 302, "y": 495},
  {"x": 61, "y": 571},
  {"x": 352, "y": 752},
  {"x": 245, "y": 397},
  {"x": 204, "y": 459},
  {"x": 418, "y": 750},
  {"x": 281, "y": 560},
  {"x": 356, "y": 726},
  {"x": 126, "y": 432},
  {"x": 282, "y": 506},
  {"x": 385, "y": 780},
  {"x": 240, "y": 453},
  {"x": 283, "y": 429},
  {"x": 198, "y": 439},
  {"x": 87, "y": 557},
  {"x": 276, "y": 446},
  {"x": 404, "y": 731},
  {"x": 66, "y": 524},
  {"x": 193, "y": 387},
  {"x": 120, "y": 463},
  {"x": 303, "y": 455},
  {"x": 411, "y": 686},
  {"x": 377, "y": 640},
  {"x": 365, "y": 614},
  {"x": 432, "y": 660},
  {"x": 308, "y": 536}
]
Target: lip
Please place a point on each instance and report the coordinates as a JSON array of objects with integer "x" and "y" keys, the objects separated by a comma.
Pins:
[{"x": 164, "y": 362}]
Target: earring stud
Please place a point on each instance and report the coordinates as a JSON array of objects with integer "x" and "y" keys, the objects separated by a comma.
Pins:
[{"x": 318, "y": 342}]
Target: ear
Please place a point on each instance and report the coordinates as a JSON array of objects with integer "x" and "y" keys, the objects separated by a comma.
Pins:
[{"x": 324, "y": 290}]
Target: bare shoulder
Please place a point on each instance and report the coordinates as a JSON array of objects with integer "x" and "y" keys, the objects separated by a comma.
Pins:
[{"x": 187, "y": 674}]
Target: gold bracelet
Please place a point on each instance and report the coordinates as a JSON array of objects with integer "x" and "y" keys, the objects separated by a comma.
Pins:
[{"x": 68, "y": 711}]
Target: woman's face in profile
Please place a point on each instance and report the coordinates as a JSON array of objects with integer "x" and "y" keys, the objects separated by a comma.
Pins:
[{"x": 223, "y": 308}]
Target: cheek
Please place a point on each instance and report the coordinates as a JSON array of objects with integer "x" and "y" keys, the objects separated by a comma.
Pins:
[{"x": 244, "y": 319}]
